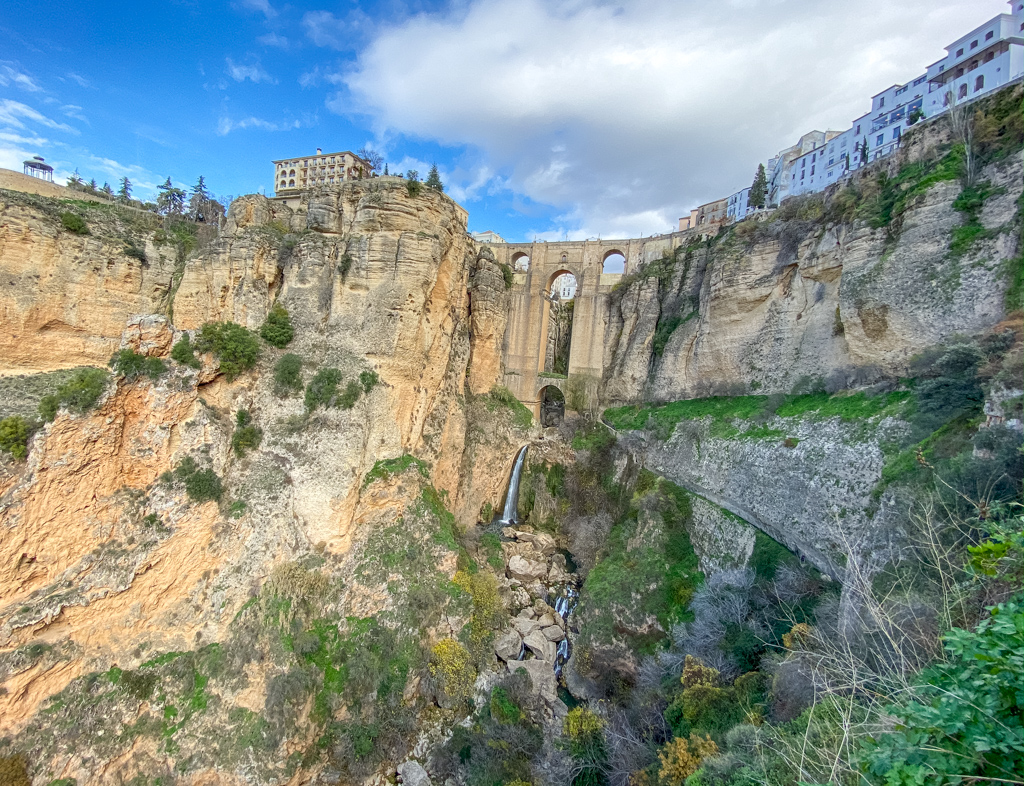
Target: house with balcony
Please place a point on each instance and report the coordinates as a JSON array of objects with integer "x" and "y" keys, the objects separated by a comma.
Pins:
[{"x": 292, "y": 176}]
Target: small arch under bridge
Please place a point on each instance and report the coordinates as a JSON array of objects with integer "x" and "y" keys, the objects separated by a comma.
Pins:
[{"x": 526, "y": 336}]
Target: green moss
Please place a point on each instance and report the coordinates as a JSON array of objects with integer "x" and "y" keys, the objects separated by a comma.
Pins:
[
  {"x": 385, "y": 469},
  {"x": 500, "y": 396},
  {"x": 435, "y": 503}
]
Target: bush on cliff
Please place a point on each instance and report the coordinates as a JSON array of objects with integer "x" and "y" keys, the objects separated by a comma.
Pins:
[
  {"x": 322, "y": 390},
  {"x": 14, "y": 434},
  {"x": 73, "y": 222},
  {"x": 236, "y": 347},
  {"x": 185, "y": 353},
  {"x": 278, "y": 330},
  {"x": 79, "y": 394},
  {"x": 246, "y": 436},
  {"x": 201, "y": 485},
  {"x": 131, "y": 365},
  {"x": 288, "y": 375}
]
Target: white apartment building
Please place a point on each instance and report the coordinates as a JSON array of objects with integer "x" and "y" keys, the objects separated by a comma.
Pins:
[
  {"x": 292, "y": 175},
  {"x": 782, "y": 177},
  {"x": 487, "y": 237},
  {"x": 985, "y": 59},
  {"x": 737, "y": 209}
]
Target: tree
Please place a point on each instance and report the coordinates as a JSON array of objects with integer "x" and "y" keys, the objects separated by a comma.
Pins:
[
  {"x": 434, "y": 179},
  {"x": 125, "y": 191},
  {"x": 75, "y": 181},
  {"x": 171, "y": 201},
  {"x": 92, "y": 184},
  {"x": 961, "y": 122},
  {"x": 372, "y": 158},
  {"x": 412, "y": 174},
  {"x": 758, "y": 189},
  {"x": 864, "y": 152},
  {"x": 107, "y": 189},
  {"x": 199, "y": 202},
  {"x": 385, "y": 169}
]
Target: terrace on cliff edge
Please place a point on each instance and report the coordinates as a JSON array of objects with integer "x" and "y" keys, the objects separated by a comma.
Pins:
[{"x": 277, "y": 504}]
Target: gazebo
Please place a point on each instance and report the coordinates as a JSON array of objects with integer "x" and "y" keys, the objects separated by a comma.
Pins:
[{"x": 37, "y": 167}]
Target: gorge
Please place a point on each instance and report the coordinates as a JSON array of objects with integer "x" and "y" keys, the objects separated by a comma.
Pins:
[{"x": 343, "y": 547}]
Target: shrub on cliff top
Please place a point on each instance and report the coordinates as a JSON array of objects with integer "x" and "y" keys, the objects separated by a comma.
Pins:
[
  {"x": 278, "y": 330},
  {"x": 322, "y": 389},
  {"x": 201, "y": 485},
  {"x": 236, "y": 347},
  {"x": 131, "y": 365},
  {"x": 183, "y": 352},
  {"x": 246, "y": 436},
  {"x": 73, "y": 222},
  {"x": 79, "y": 394},
  {"x": 14, "y": 434}
]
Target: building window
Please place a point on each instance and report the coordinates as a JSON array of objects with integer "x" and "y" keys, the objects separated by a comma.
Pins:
[
  {"x": 959, "y": 52},
  {"x": 989, "y": 34},
  {"x": 990, "y": 57},
  {"x": 881, "y": 101},
  {"x": 812, "y": 170},
  {"x": 962, "y": 93},
  {"x": 896, "y": 133},
  {"x": 979, "y": 83},
  {"x": 974, "y": 44},
  {"x": 880, "y": 138},
  {"x": 831, "y": 161}
]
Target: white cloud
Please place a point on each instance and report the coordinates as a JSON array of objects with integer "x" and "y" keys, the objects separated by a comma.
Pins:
[
  {"x": 273, "y": 39},
  {"x": 226, "y": 125},
  {"x": 72, "y": 110},
  {"x": 325, "y": 29},
  {"x": 80, "y": 80},
  {"x": 263, "y": 6},
  {"x": 626, "y": 116},
  {"x": 253, "y": 72},
  {"x": 12, "y": 76},
  {"x": 13, "y": 114}
]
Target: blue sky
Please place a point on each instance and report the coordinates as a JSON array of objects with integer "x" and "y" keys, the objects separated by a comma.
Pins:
[{"x": 565, "y": 118}]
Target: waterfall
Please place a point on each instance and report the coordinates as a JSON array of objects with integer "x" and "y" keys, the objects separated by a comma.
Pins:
[{"x": 509, "y": 515}]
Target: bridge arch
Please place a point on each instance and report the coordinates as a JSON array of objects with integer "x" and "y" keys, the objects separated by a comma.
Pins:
[
  {"x": 520, "y": 262},
  {"x": 613, "y": 261},
  {"x": 552, "y": 404}
]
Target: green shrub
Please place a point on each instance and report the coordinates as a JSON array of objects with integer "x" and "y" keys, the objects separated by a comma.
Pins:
[
  {"x": 131, "y": 365},
  {"x": 236, "y": 347},
  {"x": 344, "y": 265},
  {"x": 961, "y": 721},
  {"x": 134, "y": 252},
  {"x": 369, "y": 380},
  {"x": 350, "y": 395},
  {"x": 201, "y": 485},
  {"x": 322, "y": 389},
  {"x": 385, "y": 469},
  {"x": 507, "y": 275},
  {"x": 246, "y": 435},
  {"x": 14, "y": 434},
  {"x": 288, "y": 375},
  {"x": 183, "y": 352},
  {"x": 237, "y": 509},
  {"x": 414, "y": 187},
  {"x": 278, "y": 330},
  {"x": 73, "y": 222},
  {"x": 521, "y": 416},
  {"x": 79, "y": 394}
]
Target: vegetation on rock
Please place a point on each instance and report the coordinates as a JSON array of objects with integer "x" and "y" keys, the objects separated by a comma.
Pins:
[
  {"x": 131, "y": 365},
  {"x": 277, "y": 330},
  {"x": 235, "y": 347},
  {"x": 79, "y": 394}
]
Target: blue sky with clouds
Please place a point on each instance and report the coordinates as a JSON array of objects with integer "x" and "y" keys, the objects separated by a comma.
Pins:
[{"x": 550, "y": 119}]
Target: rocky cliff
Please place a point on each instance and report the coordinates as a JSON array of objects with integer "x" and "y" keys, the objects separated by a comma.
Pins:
[{"x": 845, "y": 285}]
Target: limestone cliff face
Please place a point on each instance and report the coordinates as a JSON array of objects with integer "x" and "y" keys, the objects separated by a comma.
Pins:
[
  {"x": 66, "y": 297},
  {"x": 105, "y": 560},
  {"x": 811, "y": 295}
]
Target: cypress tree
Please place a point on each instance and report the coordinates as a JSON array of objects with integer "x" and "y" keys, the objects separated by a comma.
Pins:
[
  {"x": 758, "y": 189},
  {"x": 434, "y": 179}
]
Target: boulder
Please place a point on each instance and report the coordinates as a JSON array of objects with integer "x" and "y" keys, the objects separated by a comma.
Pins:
[
  {"x": 526, "y": 570},
  {"x": 412, "y": 774},
  {"x": 540, "y": 646},
  {"x": 542, "y": 675},
  {"x": 525, "y": 626},
  {"x": 508, "y": 645},
  {"x": 541, "y": 541},
  {"x": 553, "y": 633},
  {"x": 546, "y": 620}
]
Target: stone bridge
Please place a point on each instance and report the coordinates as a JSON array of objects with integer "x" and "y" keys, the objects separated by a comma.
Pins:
[{"x": 536, "y": 266}]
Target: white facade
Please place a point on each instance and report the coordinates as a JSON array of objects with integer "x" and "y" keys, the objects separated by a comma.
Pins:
[
  {"x": 487, "y": 237},
  {"x": 737, "y": 209},
  {"x": 564, "y": 286},
  {"x": 984, "y": 60}
]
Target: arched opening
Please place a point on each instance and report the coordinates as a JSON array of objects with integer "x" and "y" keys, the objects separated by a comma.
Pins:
[
  {"x": 614, "y": 262},
  {"x": 552, "y": 406},
  {"x": 520, "y": 262},
  {"x": 561, "y": 295}
]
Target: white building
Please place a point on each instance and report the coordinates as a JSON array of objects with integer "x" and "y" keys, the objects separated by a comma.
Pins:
[
  {"x": 564, "y": 286},
  {"x": 984, "y": 60},
  {"x": 737, "y": 209},
  {"x": 293, "y": 175},
  {"x": 487, "y": 237},
  {"x": 782, "y": 177}
]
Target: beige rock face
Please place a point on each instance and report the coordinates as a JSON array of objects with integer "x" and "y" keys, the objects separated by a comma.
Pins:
[{"x": 66, "y": 297}]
